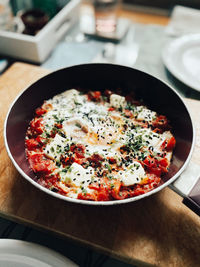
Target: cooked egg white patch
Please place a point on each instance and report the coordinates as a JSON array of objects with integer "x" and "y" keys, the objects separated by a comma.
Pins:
[
  {"x": 55, "y": 147},
  {"x": 117, "y": 101},
  {"x": 76, "y": 128},
  {"x": 145, "y": 114},
  {"x": 134, "y": 174},
  {"x": 78, "y": 176}
]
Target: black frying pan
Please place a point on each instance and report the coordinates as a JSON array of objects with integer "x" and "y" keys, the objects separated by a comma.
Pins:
[{"x": 156, "y": 95}]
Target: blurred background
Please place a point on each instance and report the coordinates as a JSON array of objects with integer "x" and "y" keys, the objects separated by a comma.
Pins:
[{"x": 59, "y": 33}]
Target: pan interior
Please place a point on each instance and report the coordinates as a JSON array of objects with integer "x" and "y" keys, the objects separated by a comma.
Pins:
[{"x": 156, "y": 95}]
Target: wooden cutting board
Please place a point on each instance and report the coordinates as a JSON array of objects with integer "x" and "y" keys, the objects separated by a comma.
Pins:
[{"x": 157, "y": 230}]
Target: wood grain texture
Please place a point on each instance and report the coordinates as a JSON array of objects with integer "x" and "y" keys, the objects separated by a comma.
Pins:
[
  {"x": 157, "y": 230},
  {"x": 140, "y": 17}
]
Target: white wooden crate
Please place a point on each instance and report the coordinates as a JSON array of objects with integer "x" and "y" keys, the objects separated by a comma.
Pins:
[{"x": 37, "y": 48}]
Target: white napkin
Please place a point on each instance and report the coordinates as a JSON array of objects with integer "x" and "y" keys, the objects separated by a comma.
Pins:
[
  {"x": 118, "y": 54},
  {"x": 184, "y": 20}
]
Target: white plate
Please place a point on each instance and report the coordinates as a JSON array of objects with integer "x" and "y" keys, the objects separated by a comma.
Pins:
[
  {"x": 182, "y": 58},
  {"x": 17, "y": 253}
]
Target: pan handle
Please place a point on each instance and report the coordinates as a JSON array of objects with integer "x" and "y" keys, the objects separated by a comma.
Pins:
[
  {"x": 188, "y": 186},
  {"x": 193, "y": 200}
]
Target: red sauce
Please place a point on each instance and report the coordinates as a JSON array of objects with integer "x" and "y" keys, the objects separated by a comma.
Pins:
[{"x": 104, "y": 189}]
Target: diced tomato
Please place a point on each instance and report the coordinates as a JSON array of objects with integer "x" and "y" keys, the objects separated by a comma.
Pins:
[
  {"x": 111, "y": 109},
  {"x": 40, "y": 164},
  {"x": 163, "y": 162},
  {"x": 43, "y": 167},
  {"x": 112, "y": 160},
  {"x": 94, "y": 186},
  {"x": 87, "y": 196},
  {"x": 155, "y": 166},
  {"x": 41, "y": 140},
  {"x": 154, "y": 180},
  {"x": 32, "y": 144},
  {"x": 37, "y": 125},
  {"x": 58, "y": 125},
  {"x": 103, "y": 194},
  {"x": 127, "y": 192},
  {"x": 149, "y": 161},
  {"x": 121, "y": 193},
  {"x": 67, "y": 160},
  {"x": 171, "y": 144},
  {"x": 71, "y": 159},
  {"x": 157, "y": 171},
  {"x": 94, "y": 96},
  {"x": 95, "y": 160},
  {"x": 78, "y": 149},
  {"x": 40, "y": 111},
  {"x": 80, "y": 160},
  {"x": 79, "y": 155},
  {"x": 138, "y": 191},
  {"x": 115, "y": 188},
  {"x": 53, "y": 180},
  {"x": 161, "y": 122}
]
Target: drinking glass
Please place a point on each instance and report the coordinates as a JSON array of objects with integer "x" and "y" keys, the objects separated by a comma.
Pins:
[{"x": 106, "y": 13}]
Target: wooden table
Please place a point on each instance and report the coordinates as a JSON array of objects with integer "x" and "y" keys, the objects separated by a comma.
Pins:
[{"x": 158, "y": 230}]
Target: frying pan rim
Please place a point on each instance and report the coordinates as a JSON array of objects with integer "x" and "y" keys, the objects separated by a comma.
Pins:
[{"x": 88, "y": 202}]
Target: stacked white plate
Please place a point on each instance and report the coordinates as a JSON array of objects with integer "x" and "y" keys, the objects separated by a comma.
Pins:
[
  {"x": 17, "y": 253},
  {"x": 182, "y": 59}
]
